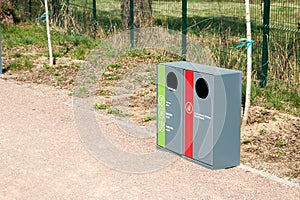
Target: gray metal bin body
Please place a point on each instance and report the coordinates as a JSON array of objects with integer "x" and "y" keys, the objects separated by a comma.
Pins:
[
  {"x": 174, "y": 111},
  {"x": 209, "y": 121}
]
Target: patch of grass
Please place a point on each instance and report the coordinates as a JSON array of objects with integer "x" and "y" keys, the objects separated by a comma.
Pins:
[
  {"x": 280, "y": 143},
  {"x": 47, "y": 67},
  {"x": 58, "y": 54},
  {"x": 100, "y": 106},
  {"x": 149, "y": 118},
  {"x": 274, "y": 96},
  {"x": 114, "y": 66},
  {"x": 24, "y": 35},
  {"x": 117, "y": 112},
  {"x": 56, "y": 74},
  {"x": 22, "y": 63},
  {"x": 80, "y": 53},
  {"x": 247, "y": 141},
  {"x": 67, "y": 66},
  {"x": 262, "y": 131},
  {"x": 112, "y": 77},
  {"x": 32, "y": 34},
  {"x": 103, "y": 93},
  {"x": 17, "y": 55},
  {"x": 61, "y": 79},
  {"x": 281, "y": 152},
  {"x": 114, "y": 111}
]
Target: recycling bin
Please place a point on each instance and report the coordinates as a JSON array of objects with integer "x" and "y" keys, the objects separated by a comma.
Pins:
[{"x": 199, "y": 119}]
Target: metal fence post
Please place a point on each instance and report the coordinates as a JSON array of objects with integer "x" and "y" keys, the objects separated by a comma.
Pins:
[
  {"x": 30, "y": 10},
  {"x": 184, "y": 29},
  {"x": 265, "y": 55},
  {"x": 95, "y": 18},
  {"x": 131, "y": 23},
  {"x": 0, "y": 51},
  {"x": 67, "y": 2},
  {"x": 297, "y": 48}
]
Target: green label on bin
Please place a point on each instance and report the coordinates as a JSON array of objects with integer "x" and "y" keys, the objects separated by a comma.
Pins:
[{"x": 161, "y": 105}]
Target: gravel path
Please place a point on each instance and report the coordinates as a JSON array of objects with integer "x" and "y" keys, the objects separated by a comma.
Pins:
[{"x": 42, "y": 157}]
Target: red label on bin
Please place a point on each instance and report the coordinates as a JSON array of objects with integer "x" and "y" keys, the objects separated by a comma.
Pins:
[{"x": 189, "y": 112}]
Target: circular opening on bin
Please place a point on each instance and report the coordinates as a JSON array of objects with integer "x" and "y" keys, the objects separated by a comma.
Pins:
[
  {"x": 172, "y": 81},
  {"x": 201, "y": 88}
]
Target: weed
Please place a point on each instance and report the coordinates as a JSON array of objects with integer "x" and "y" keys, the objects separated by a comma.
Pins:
[
  {"x": 149, "y": 118},
  {"x": 22, "y": 63},
  {"x": 47, "y": 67},
  {"x": 262, "y": 131},
  {"x": 100, "y": 106},
  {"x": 114, "y": 111},
  {"x": 67, "y": 66},
  {"x": 112, "y": 77},
  {"x": 61, "y": 79},
  {"x": 114, "y": 66},
  {"x": 56, "y": 74},
  {"x": 117, "y": 112},
  {"x": 247, "y": 141},
  {"x": 280, "y": 143},
  {"x": 281, "y": 152}
]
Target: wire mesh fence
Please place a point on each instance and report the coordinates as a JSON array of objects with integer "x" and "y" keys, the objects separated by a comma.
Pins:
[{"x": 216, "y": 24}]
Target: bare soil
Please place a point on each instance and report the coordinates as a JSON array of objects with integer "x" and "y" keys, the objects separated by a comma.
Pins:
[{"x": 270, "y": 142}]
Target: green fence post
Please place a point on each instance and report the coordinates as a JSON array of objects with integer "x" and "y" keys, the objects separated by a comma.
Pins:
[
  {"x": 30, "y": 10},
  {"x": 131, "y": 23},
  {"x": 95, "y": 18},
  {"x": 0, "y": 51},
  {"x": 265, "y": 55},
  {"x": 67, "y": 2},
  {"x": 184, "y": 29},
  {"x": 297, "y": 47}
]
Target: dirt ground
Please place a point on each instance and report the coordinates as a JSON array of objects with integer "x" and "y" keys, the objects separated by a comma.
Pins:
[{"x": 270, "y": 142}]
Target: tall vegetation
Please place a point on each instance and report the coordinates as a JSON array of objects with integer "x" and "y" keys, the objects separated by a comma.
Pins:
[{"x": 6, "y": 12}]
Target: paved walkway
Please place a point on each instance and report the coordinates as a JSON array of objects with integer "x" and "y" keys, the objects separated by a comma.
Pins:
[{"x": 42, "y": 157}]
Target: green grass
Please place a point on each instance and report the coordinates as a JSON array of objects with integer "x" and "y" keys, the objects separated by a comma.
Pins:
[
  {"x": 280, "y": 143},
  {"x": 247, "y": 141},
  {"x": 100, "y": 106},
  {"x": 112, "y": 77},
  {"x": 47, "y": 67},
  {"x": 274, "y": 96},
  {"x": 61, "y": 79},
  {"x": 262, "y": 131},
  {"x": 117, "y": 112},
  {"x": 281, "y": 152},
  {"x": 69, "y": 45},
  {"x": 149, "y": 118},
  {"x": 21, "y": 63}
]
